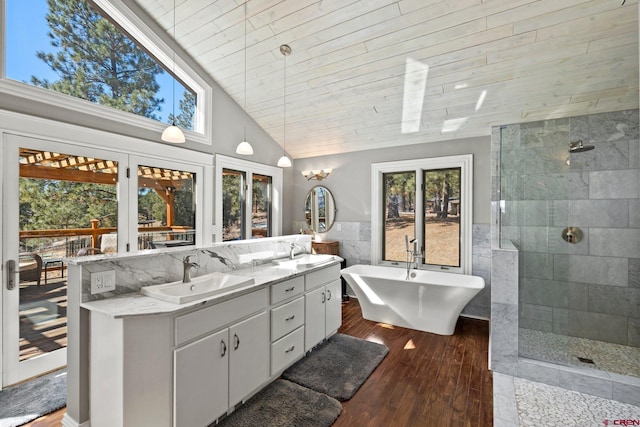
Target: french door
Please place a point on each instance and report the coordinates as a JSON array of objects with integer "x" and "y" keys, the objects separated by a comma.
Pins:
[{"x": 54, "y": 196}]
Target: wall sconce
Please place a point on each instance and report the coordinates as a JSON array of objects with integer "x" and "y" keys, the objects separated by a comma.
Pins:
[{"x": 316, "y": 174}]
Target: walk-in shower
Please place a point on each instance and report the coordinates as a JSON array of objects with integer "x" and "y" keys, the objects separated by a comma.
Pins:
[{"x": 569, "y": 203}]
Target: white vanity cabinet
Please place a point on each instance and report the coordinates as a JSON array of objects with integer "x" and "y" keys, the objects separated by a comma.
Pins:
[
  {"x": 188, "y": 367},
  {"x": 287, "y": 323},
  {"x": 323, "y": 305},
  {"x": 181, "y": 371},
  {"x": 215, "y": 373},
  {"x": 201, "y": 380}
]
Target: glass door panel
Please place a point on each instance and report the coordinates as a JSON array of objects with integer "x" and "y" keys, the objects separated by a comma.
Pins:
[
  {"x": 66, "y": 201},
  {"x": 166, "y": 207},
  {"x": 442, "y": 217},
  {"x": 233, "y": 205},
  {"x": 399, "y": 214},
  {"x": 261, "y": 206}
]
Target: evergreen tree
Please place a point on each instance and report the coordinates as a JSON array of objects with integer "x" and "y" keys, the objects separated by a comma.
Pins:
[
  {"x": 96, "y": 61},
  {"x": 187, "y": 106}
]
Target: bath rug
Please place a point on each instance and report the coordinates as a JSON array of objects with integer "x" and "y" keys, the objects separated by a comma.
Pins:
[
  {"x": 32, "y": 399},
  {"x": 285, "y": 404},
  {"x": 338, "y": 367}
]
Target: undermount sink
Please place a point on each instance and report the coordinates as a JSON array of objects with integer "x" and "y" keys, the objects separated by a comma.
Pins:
[
  {"x": 304, "y": 260},
  {"x": 199, "y": 287}
]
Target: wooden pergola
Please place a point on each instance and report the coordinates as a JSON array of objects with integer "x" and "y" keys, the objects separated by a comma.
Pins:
[{"x": 64, "y": 167}]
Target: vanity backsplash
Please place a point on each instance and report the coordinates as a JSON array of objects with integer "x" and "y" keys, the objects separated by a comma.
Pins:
[{"x": 145, "y": 268}]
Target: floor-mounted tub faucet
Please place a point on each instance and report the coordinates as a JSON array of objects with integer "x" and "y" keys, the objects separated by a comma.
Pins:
[
  {"x": 413, "y": 256},
  {"x": 186, "y": 269}
]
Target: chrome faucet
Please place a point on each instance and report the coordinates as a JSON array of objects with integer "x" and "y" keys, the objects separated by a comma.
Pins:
[
  {"x": 413, "y": 256},
  {"x": 292, "y": 252},
  {"x": 187, "y": 266}
]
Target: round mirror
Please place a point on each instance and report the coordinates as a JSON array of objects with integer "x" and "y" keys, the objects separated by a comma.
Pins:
[{"x": 320, "y": 209}]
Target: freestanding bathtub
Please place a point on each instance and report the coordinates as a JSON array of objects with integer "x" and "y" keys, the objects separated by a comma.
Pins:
[{"x": 431, "y": 301}]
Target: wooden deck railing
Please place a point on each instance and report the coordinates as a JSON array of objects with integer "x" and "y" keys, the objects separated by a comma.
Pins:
[{"x": 96, "y": 232}]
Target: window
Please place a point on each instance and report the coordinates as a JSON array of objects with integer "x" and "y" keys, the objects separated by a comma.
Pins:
[
  {"x": 250, "y": 196},
  {"x": 79, "y": 50},
  {"x": 261, "y": 206},
  {"x": 166, "y": 208},
  {"x": 429, "y": 202},
  {"x": 233, "y": 204}
]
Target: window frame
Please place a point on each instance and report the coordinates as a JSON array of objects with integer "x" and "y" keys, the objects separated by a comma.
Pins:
[
  {"x": 465, "y": 162},
  {"x": 249, "y": 168},
  {"x": 161, "y": 47}
]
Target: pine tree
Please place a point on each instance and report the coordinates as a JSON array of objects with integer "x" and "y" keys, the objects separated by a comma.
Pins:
[{"x": 96, "y": 61}]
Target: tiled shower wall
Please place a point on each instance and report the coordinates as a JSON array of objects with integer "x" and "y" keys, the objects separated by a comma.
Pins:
[
  {"x": 590, "y": 289},
  {"x": 355, "y": 248}
]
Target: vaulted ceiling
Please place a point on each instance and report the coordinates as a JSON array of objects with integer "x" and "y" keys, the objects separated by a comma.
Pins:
[{"x": 380, "y": 73}]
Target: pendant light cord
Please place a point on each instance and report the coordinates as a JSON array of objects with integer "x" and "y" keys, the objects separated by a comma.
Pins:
[
  {"x": 284, "y": 107},
  {"x": 245, "y": 69},
  {"x": 173, "y": 100}
]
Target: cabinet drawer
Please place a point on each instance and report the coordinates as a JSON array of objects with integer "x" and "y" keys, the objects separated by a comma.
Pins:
[
  {"x": 287, "y": 350},
  {"x": 209, "y": 319},
  {"x": 286, "y": 318},
  {"x": 287, "y": 289},
  {"x": 322, "y": 277}
]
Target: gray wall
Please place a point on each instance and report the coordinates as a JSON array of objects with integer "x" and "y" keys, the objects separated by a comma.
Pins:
[
  {"x": 350, "y": 184},
  {"x": 350, "y": 181},
  {"x": 590, "y": 289}
]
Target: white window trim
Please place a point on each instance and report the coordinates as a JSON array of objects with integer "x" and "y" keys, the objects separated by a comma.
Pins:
[
  {"x": 465, "y": 162},
  {"x": 59, "y": 132},
  {"x": 250, "y": 168},
  {"x": 157, "y": 46}
]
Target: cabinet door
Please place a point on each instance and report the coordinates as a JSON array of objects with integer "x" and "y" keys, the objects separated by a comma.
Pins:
[
  {"x": 249, "y": 359},
  {"x": 201, "y": 373},
  {"x": 333, "y": 306},
  {"x": 314, "y": 331}
]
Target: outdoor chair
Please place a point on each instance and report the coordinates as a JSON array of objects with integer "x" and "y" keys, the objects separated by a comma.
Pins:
[
  {"x": 89, "y": 251},
  {"x": 30, "y": 267}
]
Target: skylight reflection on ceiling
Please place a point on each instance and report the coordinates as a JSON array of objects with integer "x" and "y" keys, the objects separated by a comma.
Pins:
[
  {"x": 453, "y": 125},
  {"x": 415, "y": 84},
  {"x": 483, "y": 95}
]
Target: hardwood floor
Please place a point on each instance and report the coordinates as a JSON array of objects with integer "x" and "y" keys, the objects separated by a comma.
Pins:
[{"x": 425, "y": 380}]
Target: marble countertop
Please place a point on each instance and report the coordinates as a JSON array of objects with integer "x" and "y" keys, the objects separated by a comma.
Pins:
[{"x": 136, "y": 304}]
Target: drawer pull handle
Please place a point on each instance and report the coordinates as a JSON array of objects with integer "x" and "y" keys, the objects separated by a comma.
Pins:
[
  {"x": 290, "y": 289},
  {"x": 223, "y": 348},
  {"x": 236, "y": 341},
  {"x": 290, "y": 349},
  {"x": 293, "y": 316}
]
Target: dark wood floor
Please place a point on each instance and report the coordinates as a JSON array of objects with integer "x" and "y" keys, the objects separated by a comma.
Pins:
[{"x": 426, "y": 380}]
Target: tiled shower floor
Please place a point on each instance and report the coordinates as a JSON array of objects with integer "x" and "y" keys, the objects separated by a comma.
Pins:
[
  {"x": 566, "y": 350},
  {"x": 522, "y": 403}
]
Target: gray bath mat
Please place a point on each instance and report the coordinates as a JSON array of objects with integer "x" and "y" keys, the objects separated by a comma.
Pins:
[
  {"x": 338, "y": 367},
  {"x": 25, "y": 402},
  {"x": 285, "y": 404}
]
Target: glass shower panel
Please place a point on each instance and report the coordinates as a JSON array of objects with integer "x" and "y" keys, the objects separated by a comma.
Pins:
[{"x": 569, "y": 204}]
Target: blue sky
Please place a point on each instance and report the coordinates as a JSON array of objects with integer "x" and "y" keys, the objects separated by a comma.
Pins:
[{"x": 26, "y": 33}]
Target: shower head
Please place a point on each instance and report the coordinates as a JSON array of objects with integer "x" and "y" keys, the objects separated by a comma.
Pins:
[{"x": 579, "y": 147}]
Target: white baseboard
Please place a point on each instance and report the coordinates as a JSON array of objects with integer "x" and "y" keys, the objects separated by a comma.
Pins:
[{"x": 67, "y": 421}]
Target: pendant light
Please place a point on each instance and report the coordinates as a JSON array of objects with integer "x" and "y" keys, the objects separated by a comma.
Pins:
[
  {"x": 244, "y": 147},
  {"x": 173, "y": 133},
  {"x": 284, "y": 161}
]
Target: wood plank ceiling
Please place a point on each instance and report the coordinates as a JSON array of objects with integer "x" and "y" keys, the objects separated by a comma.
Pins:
[{"x": 381, "y": 73}]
